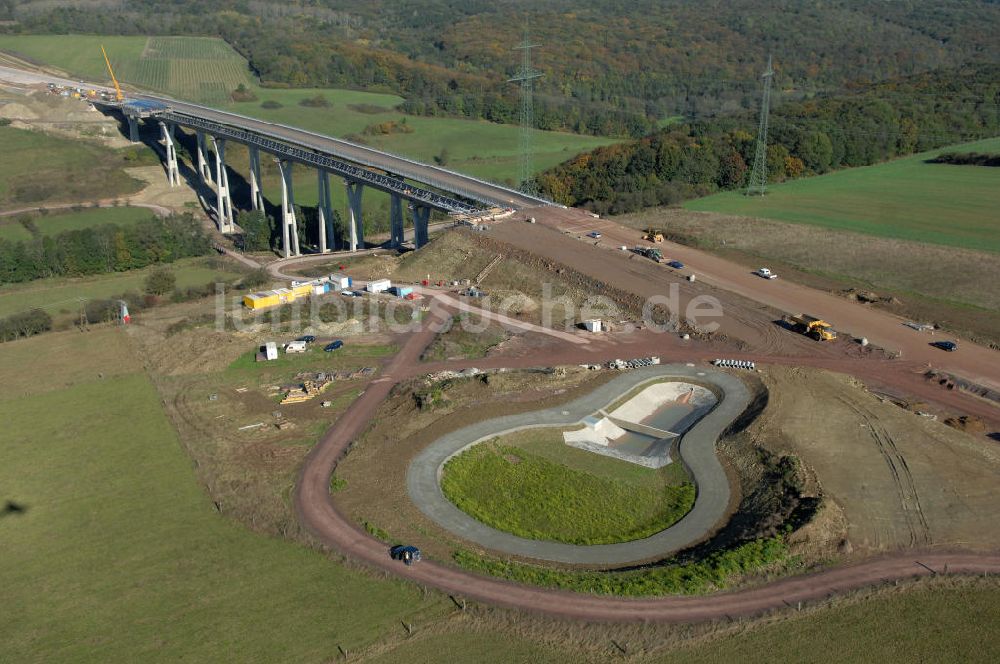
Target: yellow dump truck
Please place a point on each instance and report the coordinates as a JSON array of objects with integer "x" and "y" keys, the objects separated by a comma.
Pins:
[{"x": 813, "y": 327}]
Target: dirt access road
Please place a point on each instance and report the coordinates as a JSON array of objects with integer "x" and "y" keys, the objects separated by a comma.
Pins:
[
  {"x": 603, "y": 259},
  {"x": 333, "y": 529}
]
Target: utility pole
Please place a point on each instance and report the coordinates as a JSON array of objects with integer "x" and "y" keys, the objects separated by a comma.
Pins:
[
  {"x": 758, "y": 176},
  {"x": 526, "y": 77}
]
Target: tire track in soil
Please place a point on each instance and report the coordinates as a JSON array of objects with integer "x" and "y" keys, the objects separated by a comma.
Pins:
[{"x": 906, "y": 488}]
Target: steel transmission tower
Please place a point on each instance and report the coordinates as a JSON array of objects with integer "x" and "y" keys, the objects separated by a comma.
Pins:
[
  {"x": 758, "y": 176},
  {"x": 526, "y": 78}
]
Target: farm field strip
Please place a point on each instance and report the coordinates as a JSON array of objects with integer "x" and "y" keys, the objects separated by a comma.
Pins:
[
  {"x": 207, "y": 70},
  {"x": 906, "y": 198}
]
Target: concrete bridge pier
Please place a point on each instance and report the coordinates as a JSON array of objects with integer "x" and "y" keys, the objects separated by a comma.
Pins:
[
  {"x": 396, "y": 233},
  {"x": 421, "y": 219},
  {"x": 256, "y": 188},
  {"x": 355, "y": 223},
  {"x": 173, "y": 172},
  {"x": 224, "y": 203},
  {"x": 204, "y": 170},
  {"x": 324, "y": 210},
  {"x": 289, "y": 232},
  {"x": 133, "y": 128}
]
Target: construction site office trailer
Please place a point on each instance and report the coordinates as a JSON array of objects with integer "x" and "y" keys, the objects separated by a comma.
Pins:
[
  {"x": 271, "y": 350},
  {"x": 379, "y": 286},
  {"x": 340, "y": 281},
  {"x": 261, "y": 300}
]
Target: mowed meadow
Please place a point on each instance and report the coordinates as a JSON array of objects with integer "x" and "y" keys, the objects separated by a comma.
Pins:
[
  {"x": 904, "y": 199},
  {"x": 113, "y": 552}
]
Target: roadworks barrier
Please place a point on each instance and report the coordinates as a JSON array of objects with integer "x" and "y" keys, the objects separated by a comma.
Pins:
[{"x": 736, "y": 364}]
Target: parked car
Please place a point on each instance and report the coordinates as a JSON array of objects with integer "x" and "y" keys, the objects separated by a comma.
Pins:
[
  {"x": 949, "y": 346},
  {"x": 405, "y": 553},
  {"x": 594, "y": 234},
  {"x": 333, "y": 345},
  {"x": 766, "y": 273},
  {"x": 308, "y": 338},
  {"x": 677, "y": 265}
]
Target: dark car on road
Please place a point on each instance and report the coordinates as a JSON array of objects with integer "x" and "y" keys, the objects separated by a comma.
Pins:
[
  {"x": 333, "y": 345},
  {"x": 308, "y": 338},
  {"x": 949, "y": 346},
  {"x": 677, "y": 265},
  {"x": 407, "y": 554}
]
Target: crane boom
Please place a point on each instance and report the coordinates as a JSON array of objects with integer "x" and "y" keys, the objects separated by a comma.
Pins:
[{"x": 118, "y": 91}]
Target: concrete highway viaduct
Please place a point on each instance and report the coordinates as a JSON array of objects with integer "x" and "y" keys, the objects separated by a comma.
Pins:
[{"x": 411, "y": 184}]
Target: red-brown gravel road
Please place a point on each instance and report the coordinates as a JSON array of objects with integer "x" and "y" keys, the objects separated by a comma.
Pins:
[{"x": 333, "y": 529}]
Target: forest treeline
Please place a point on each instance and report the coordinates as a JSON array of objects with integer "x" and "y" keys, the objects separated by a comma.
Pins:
[
  {"x": 608, "y": 67},
  {"x": 102, "y": 249},
  {"x": 887, "y": 120}
]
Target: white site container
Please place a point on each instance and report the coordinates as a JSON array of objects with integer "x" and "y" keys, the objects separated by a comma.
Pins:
[
  {"x": 295, "y": 347},
  {"x": 379, "y": 286},
  {"x": 593, "y": 325},
  {"x": 271, "y": 350},
  {"x": 340, "y": 281}
]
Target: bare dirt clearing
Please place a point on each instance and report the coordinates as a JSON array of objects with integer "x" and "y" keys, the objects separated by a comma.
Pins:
[{"x": 902, "y": 480}]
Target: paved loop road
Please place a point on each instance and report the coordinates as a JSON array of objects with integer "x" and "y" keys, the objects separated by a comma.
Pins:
[
  {"x": 317, "y": 513},
  {"x": 697, "y": 449}
]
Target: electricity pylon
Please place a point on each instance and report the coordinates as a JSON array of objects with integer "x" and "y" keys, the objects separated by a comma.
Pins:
[
  {"x": 758, "y": 176},
  {"x": 526, "y": 78}
]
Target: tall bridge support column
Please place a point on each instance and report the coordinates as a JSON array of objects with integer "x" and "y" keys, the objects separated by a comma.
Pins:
[
  {"x": 421, "y": 217},
  {"x": 224, "y": 203},
  {"x": 204, "y": 170},
  {"x": 396, "y": 236},
  {"x": 324, "y": 210},
  {"x": 355, "y": 223},
  {"x": 133, "y": 128},
  {"x": 289, "y": 232},
  {"x": 256, "y": 188},
  {"x": 173, "y": 172}
]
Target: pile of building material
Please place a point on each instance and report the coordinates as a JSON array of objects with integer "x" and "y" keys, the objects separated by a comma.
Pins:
[
  {"x": 309, "y": 390},
  {"x": 314, "y": 384},
  {"x": 634, "y": 364}
]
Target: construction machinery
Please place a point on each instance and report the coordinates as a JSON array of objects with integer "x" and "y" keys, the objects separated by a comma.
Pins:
[
  {"x": 119, "y": 97},
  {"x": 812, "y": 326},
  {"x": 650, "y": 252},
  {"x": 653, "y": 235}
]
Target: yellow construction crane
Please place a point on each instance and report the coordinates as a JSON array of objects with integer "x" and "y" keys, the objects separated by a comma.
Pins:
[{"x": 118, "y": 91}]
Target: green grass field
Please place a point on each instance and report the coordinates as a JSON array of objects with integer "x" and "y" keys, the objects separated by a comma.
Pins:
[
  {"x": 945, "y": 626},
  {"x": 117, "y": 554},
  {"x": 351, "y": 355},
  {"x": 60, "y": 294},
  {"x": 72, "y": 220},
  {"x": 206, "y": 70},
  {"x": 479, "y": 148},
  {"x": 906, "y": 198},
  {"x": 37, "y": 168},
  {"x": 202, "y": 69},
  {"x": 532, "y": 485}
]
